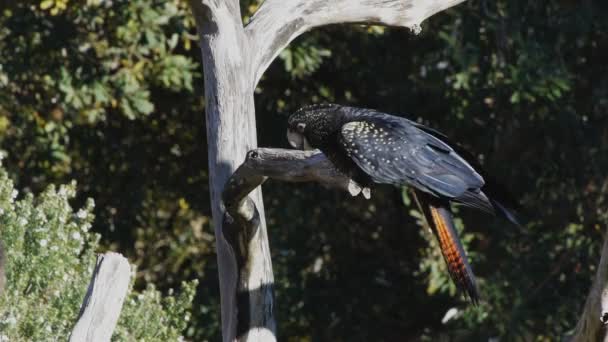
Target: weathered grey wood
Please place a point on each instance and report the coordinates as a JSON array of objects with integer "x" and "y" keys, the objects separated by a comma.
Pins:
[
  {"x": 234, "y": 59},
  {"x": 242, "y": 220},
  {"x": 103, "y": 302},
  {"x": 278, "y": 22},
  {"x": 284, "y": 165},
  {"x": 231, "y": 132},
  {"x": 279, "y": 164},
  {"x": 594, "y": 318}
]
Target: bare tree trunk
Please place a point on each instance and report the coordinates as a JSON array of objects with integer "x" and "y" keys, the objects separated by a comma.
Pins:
[
  {"x": 234, "y": 59},
  {"x": 231, "y": 132},
  {"x": 594, "y": 318}
]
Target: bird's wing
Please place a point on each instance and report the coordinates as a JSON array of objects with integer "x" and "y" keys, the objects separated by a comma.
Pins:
[
  {"x": 393, "y": 150},
  {"x": 498, "y": 196},
  {"x": 438, "y": 217}
]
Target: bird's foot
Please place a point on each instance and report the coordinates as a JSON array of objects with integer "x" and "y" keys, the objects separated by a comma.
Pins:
[
  {"x": 355, "y": 189},
  {"x": 367, "y": 193}
]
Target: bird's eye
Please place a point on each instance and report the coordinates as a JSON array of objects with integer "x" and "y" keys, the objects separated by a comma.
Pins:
[{"x": 301, "y": 126}]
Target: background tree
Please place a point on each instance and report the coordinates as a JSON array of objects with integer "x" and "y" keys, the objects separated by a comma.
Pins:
[{"x": 521, "y": 84}]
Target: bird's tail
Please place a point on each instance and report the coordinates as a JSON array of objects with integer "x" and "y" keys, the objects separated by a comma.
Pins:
[{"x": 439, "y": 218}]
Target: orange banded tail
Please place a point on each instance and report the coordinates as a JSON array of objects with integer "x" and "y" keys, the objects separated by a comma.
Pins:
[{"x": 438, "y": 216}]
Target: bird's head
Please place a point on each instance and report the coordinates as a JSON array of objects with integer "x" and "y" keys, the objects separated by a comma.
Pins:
[{"x": 310, "y": 126}]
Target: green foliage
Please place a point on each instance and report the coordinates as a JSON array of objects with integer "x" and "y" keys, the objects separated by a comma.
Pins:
[
  {"x": 50, "y": 254},
  {"x": 109, "y": 59},
  {"x": 303, "y": 60},
  {"x": 149, "y": 316}
]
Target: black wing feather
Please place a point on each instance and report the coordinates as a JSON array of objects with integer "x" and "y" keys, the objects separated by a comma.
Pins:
[
  {"x": 500, "y": 199},
  {"x": 394, "y": 150}
]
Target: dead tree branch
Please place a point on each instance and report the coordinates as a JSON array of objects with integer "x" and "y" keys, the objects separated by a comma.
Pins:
[
  {"x": 592, "y": 323},
  {"x": 242, "y": 219},
  {"x": 278, "y": 22},
  {"x": 103, "y": 302}
]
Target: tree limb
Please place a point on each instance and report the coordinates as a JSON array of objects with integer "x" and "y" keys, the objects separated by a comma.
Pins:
[
  {"x": 592, "y": 323},
  {"x": 278, "y": 22},
  {"x": 242, "y": 220},
  {"x": 284, "y": 165}
]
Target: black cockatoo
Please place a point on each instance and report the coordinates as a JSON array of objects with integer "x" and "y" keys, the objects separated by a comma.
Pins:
[{"x": 374, "y": 147}]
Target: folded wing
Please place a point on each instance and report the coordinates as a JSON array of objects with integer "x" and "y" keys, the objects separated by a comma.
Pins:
[{"x": 394, "y": 150}]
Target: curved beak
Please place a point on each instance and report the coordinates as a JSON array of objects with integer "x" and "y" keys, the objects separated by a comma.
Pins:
[{"x": 298, "y": 140}]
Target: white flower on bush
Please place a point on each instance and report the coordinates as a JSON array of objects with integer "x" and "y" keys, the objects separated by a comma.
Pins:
[
  {"x": 85, "y": 227},
  {"x": 14, "y": 194},
  {"x": 22, "y": 221},
  {"x": 10, "y": 320},
  {"x": 43, "y": 243},
  {"x": 76, "y": 236},
  {"x": 81, "y": 214}
]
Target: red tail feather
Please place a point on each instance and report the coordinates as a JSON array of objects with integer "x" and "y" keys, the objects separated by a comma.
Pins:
[{"x": 439, "y": 218}]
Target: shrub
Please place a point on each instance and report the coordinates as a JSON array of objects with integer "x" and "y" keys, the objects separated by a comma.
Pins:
[{"x": 50, "y": 255}]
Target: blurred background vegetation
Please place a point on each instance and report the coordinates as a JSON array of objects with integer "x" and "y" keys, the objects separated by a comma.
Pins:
[
  {"x": 51, "y": 257},
  {"x": 109, "y": 93}
]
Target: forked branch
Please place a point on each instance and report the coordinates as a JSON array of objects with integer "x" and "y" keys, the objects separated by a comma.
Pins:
[
  {"x": 242, "y": 220},
  {"x": 278, "y": 22},
  {"x": 261, "y": 164}
]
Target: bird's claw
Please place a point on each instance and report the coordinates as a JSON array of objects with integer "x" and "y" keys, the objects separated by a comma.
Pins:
[
  {"x": 355, "y": 189},
  {"x": 367, "y": 193}
]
